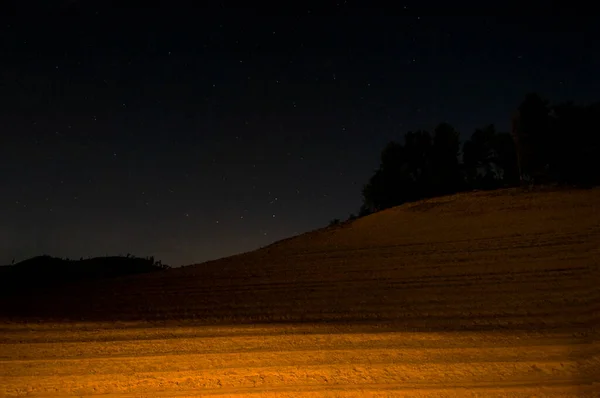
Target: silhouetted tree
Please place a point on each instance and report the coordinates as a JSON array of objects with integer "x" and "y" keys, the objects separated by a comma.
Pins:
[
  {"x": 418, "y": 152},
  {"x": 378, "y": 193},
  {"x": 489, "y": 159},
  {"x": 590, "y": 139},
  {"x": 557, "y": 143},
  {"x": 422, "y": 167},
  {"x": 505, "y": 158},
  {"x": 446, "y": 174},
  {"x": 576, "y": 135},
  {"x": 546, "y": 143},
  {"x": 391, "y": 184},
  {"x": 478, "y": 154},
  {"x": 364, "y": 211},
  {"x": 531, "y": 132}
]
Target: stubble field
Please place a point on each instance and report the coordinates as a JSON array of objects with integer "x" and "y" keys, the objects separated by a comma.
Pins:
[{"x": 488, "y": 294}]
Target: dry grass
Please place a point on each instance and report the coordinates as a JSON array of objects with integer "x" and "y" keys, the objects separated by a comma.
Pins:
[{"x": 489, "y": 294}]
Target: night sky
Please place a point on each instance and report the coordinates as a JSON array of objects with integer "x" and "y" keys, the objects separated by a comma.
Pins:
[{"x": 193, "y": 134}]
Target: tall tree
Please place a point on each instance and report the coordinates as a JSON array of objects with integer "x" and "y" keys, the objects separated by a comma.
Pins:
[
  {"x": 558, "y": 143},
  {"x": 530, "y": 131},
  {"x": 489, "y": 159},
  {"x": 478, "y": 154},
  {"x": 418, "y": 149},
  {"x": 391, "y": 184},
  {"x": 446, "y": 174},
  {"x": 576, "y": 143},
  {"x": 505, "y": 158}
]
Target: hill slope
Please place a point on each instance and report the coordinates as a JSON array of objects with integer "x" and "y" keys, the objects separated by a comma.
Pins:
[
  {"x": 487, "y": 259},
  {"x": 484, "y": 294}
]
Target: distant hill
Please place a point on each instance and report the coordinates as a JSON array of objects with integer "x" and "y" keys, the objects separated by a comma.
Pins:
[{"x": 46, "y": 271}]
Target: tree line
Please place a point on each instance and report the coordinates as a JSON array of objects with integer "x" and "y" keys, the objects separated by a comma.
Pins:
[{"x": 547, "y": 144}]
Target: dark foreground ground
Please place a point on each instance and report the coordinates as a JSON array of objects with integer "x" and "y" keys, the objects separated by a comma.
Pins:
[{"x": 489, "y": 294}]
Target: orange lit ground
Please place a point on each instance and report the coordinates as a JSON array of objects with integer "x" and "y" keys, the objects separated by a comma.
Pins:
[{"x": 476, "y": 295}]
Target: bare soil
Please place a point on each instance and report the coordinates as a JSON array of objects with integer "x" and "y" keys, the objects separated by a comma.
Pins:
[{"x": 486, "y": 294}]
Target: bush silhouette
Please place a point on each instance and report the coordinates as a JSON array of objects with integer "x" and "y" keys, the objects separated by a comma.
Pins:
[{"x": 334, "y": 222}]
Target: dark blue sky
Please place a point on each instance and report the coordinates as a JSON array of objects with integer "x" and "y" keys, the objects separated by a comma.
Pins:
[{"x": 195, "y": 134}]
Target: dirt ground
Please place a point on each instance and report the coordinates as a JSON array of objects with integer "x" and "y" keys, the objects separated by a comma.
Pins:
[{"x": 488, "y": 294}]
